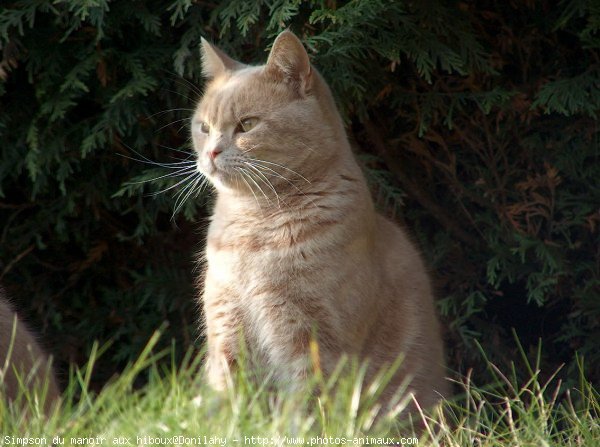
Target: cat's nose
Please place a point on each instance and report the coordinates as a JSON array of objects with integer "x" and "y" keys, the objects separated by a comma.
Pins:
[{"x": 212, "y": 154}]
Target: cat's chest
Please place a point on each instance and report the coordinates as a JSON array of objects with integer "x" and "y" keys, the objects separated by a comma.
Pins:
[
  {"x": 245, "y": 260},
  {"x": 234, "y": 266}
]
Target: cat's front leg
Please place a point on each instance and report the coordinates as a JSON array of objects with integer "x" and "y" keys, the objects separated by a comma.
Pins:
[
  {"x": 294, "y": 354},
  {"x": 223, "y": 325},
  {"x": 219, "y": 364}
]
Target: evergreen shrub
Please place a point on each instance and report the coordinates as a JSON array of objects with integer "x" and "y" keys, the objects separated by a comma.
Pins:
[{"x": 476, "y": 123}]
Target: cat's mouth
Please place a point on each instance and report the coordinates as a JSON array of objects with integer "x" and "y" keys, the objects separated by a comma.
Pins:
[
  {"x": 222, "y": 173},
  {"x": 212, "y": 168},
  {"x": 215, "y": 168}
]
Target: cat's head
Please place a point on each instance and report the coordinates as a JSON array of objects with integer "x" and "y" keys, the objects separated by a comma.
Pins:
[{"x": 261, "y": 129}]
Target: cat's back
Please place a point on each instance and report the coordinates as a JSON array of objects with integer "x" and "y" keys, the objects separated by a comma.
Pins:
[
  {"x": 19, "y": 351},
  {"x": 407, "y": 322},
  {"x": 398, "y": 256}
]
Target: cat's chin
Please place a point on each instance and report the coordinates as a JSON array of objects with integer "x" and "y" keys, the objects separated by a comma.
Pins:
[
  {"x": 223, "y": 181},
  {"x": 231, "y": 184}
]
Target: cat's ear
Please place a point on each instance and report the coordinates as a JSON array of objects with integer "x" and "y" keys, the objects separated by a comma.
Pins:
[
  {"x": 215, "y": 62},
  {"x": 289, "y": 61}
]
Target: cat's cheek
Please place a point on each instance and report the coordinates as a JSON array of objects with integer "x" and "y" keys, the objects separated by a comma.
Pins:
[
  {"x": 198, "y": 140},
  {"x": 202, "y": 167},
  {"x": 208, "y": 166}
]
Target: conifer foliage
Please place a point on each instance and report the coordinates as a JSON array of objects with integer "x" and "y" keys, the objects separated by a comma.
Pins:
[{"x": 476, "y": 123}]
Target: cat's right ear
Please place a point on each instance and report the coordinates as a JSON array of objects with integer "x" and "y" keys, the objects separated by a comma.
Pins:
[{"x": 215, "y": 62}]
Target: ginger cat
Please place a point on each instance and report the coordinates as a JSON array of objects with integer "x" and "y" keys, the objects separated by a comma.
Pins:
[
  {"x": 295, "y": 247},
  {"x": 22, "y": 360}
]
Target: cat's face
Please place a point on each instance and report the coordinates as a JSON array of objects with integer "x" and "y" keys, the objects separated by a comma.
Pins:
[{"x": 260, "y": 129}]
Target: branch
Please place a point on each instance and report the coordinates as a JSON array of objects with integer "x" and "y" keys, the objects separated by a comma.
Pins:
[
  {"x": 12, "y": 263},
  {"x": 413, "y": 189}
]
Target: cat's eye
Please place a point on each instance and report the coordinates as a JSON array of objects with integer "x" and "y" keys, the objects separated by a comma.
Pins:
[
  {"x": 204, "y": 127},
  {"x": 247, "y": 124}
]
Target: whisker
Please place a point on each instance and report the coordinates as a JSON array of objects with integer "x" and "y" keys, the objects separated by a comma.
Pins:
[
  {"x": 237, "y": 181},
  {"x": 190, "y": 176},
  {"x": 249, "y": 149},
  {"x": 177, "y": 150},
  {"x": 276, "y": 174},
  {"x": 296, "y": 140},
  {"x": 146, "y": 160},
  {"x": 190, "y": 158},
  {"x": 182, "y": 127},
  {"x": 175, "y": 165},
  {"x": 257, "y": 185},
  {"x": 182, "y": 191},
  {"x": 182, "y": 171},
  {"x": 184, "y": 96},
  {"x": 194, "y": 180},
  {"x": 180, "y": 201},
  {"x": 177, "y": 77},
  {"x": 177, "y": 109},
  {"x": 203, "y": 185},
  {"x": 263, "y": 179},
  {"x": 242, "y": 176},
  {"x": 191, "y": 187},
  {"x": 257, "y": 160},
  {"x": 171, "y": 123}
]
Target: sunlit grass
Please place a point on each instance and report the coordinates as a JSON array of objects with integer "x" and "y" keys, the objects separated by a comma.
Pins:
[{"x": 176, "y": 407}]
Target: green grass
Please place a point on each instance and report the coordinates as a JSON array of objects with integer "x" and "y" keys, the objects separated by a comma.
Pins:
[{"x": 176, "y": 403}]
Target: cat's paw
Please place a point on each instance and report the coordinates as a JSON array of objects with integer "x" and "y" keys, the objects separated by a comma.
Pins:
[{"x": 218, "y": 374}]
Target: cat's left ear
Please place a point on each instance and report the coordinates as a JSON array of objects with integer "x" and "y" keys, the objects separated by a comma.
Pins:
[
  {"x": 289, "y": 61},
  {"x": 215, "y": 62}
]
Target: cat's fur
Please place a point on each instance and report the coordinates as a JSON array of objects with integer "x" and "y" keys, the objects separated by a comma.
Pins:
[
  {"x": 22, "y": 361},
  {"x": 315, "y": 258}
]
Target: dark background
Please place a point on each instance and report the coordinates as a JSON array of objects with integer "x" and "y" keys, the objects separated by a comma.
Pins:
[{"x": 475, "y": 121}]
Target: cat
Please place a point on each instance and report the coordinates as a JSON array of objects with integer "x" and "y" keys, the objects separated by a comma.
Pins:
[
  {"x": 295, "y": 248},
  {"x": 23, "y": 362}
]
